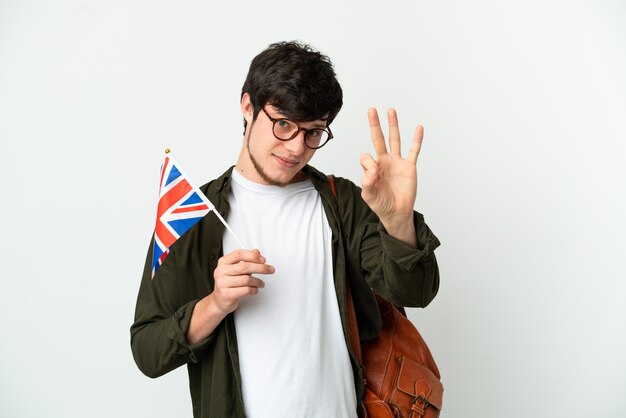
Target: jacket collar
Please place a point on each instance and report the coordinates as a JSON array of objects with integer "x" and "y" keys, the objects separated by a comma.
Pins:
[{"x": 222, "y": 183}]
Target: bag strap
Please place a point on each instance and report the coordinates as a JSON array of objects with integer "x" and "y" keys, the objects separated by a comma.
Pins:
[{"x": 353, "y": 328}]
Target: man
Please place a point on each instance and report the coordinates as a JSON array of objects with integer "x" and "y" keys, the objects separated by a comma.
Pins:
[{"x": 263, "y": 330}]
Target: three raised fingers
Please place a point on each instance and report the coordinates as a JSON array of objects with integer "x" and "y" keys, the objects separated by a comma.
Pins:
[{"x": 378, "y": 138}]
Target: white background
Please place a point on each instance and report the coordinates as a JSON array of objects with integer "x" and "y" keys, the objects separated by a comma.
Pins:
[{"x": 521, "y": 176}]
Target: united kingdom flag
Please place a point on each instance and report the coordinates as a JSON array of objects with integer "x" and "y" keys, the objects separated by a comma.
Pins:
[{"x": 181, "y": 205}]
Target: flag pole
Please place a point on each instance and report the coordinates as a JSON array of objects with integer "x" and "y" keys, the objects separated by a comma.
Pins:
[{"x": 229, "y": 230}]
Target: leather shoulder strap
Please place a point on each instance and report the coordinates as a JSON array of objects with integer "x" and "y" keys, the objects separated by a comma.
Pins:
[{"x": 353, "y": 328}]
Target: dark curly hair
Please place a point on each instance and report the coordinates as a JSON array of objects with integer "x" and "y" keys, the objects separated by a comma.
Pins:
[{"x": 296, "y": 79}]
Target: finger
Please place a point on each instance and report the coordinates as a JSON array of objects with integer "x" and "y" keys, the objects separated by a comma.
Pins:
[
  {"x": 394, "y": 132},
  {"x": 378, "y": 139},
  {"x": 418, "y": 136},
  {"x": 239, "y": 281},
  {"x": 370, "y": 177},
  {"x": 246, "y": 267},
  {"x": 368, "y": 162},
  {"x": 243, "y": 268},
  {"x": 238, "y": 255},
  {"x": 237, "y": 293},
  {"x": 370, "y": 168}
]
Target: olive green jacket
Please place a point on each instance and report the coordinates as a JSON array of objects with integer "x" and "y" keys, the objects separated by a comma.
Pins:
[{"x": 361, "y": 248}]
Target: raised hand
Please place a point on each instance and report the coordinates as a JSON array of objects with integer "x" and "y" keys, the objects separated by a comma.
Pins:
[{"x": 390, "y": 182}]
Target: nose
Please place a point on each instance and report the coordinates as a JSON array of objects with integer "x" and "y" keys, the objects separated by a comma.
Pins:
[{"x": 296, "y": 145}]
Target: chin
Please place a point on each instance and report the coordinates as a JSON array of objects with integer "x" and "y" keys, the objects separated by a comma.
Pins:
[
  {"x": 282, "y": 181},
  {"x": 278, "y": 179}
]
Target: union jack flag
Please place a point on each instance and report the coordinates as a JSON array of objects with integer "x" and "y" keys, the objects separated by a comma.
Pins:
[{"x": 181, "y": 205}]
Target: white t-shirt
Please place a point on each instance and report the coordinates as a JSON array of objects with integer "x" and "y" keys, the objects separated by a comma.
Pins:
[{"x": 293, "y": 356}]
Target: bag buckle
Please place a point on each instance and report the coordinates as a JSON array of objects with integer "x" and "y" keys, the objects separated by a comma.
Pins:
[
  {"x": 421, "y": 398},
  {"x": 415, "y": 408}
]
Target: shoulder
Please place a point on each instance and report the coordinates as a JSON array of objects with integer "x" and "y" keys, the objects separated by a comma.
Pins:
[
  {"x": 348, "y": 194},
  {"x": 321, "y": 181}
]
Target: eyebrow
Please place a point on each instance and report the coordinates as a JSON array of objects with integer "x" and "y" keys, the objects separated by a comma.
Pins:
[{"x": 280, "y": 115}]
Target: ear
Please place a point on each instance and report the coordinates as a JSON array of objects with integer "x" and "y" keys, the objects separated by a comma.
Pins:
[{"x": 247, "y": 109}]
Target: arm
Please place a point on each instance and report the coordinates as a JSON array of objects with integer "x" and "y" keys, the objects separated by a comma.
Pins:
[
  {"x": 173, "y": 324},
  {"x": 404, "y": 275},
  {"x": 396, "y": 253},
  {"x": 162, "y": 316}
]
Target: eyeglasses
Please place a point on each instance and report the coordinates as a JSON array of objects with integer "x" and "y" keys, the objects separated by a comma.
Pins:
[{"x": 286, "y": 130}]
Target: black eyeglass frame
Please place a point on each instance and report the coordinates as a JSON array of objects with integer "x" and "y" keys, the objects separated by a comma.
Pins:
[{"x": 306, "y": 131}]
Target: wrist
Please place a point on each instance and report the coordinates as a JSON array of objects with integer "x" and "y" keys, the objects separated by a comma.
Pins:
[
  {"x": 212, "y": 309},
  {"x": 205, "y": 317},
  {"x": 402, "y": 228}
]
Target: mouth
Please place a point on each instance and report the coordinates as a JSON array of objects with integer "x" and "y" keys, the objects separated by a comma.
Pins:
[{"x": 286, "y": 162}]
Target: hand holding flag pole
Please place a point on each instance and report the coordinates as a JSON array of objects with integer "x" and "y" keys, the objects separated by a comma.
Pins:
[{"x": 181, "y": 205}]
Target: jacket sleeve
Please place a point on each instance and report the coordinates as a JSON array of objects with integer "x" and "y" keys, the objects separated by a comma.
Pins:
[
  {"x": 162, "y": 316},
  {"x": 403, "y": 275}
]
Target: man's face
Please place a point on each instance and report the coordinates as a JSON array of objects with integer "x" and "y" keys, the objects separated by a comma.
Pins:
[{"x": 268, "y": 160}]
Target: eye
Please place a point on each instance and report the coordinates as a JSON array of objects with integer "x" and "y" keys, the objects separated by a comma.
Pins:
[
  {"x": 315, "y": 133},
  {"x": 283, "y": 124}
]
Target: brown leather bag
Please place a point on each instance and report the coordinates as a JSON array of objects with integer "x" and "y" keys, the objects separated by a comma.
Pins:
[{"x": 401, "y": 377}]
